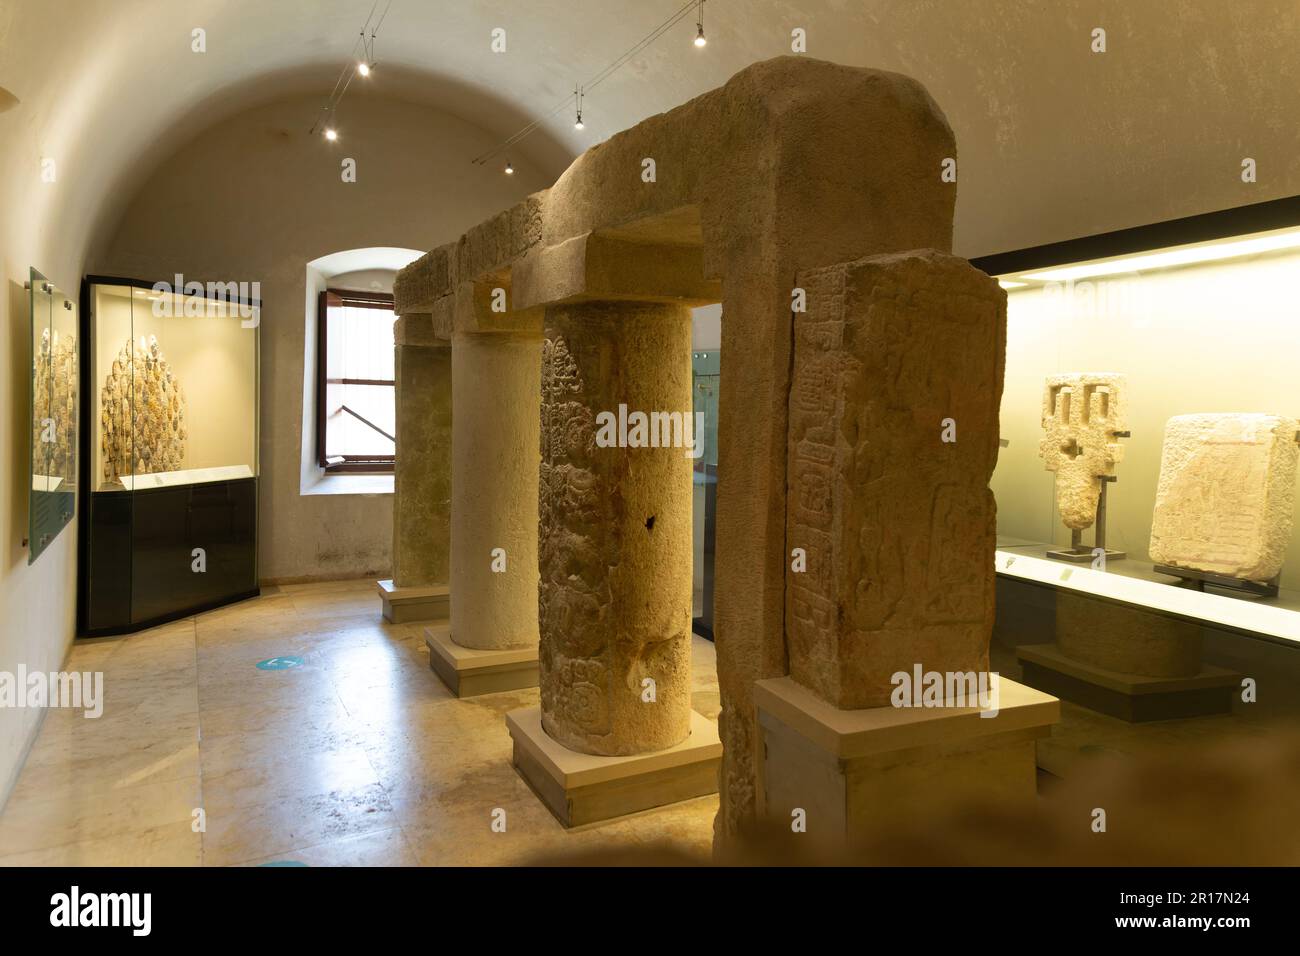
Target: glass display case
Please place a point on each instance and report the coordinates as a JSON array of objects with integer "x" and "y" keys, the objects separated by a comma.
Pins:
[
  {"x": 705, "y": 369},
  {"x": 1146, "y": 485},
  {"x": 53, "y": 406},
  {"x": 170, "y": 438}
]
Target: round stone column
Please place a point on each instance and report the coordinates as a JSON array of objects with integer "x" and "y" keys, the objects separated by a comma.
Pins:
[
  {"x": 494, "y": 448},
  {"x": 615, "y": 551}
]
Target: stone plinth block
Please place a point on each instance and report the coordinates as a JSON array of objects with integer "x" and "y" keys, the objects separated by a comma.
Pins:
[
  {"x": 855, "y": 774},
  {"x": 1226, "y": 497},
  {"x": 469, "y": 672},
  {"x": 401, "y": 605},
  {"x": 583, "y": 788},
  {"x": 1132, "y": 697},
  {"x": 1126, "y": 639},
  {"x": 1082, "y": 414},
  {"x": 893, "y": 437},
  {"x": 615, "y": 554}
]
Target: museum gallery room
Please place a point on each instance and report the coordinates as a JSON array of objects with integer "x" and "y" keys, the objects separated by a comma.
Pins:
[{"x": 643, "y": 432}]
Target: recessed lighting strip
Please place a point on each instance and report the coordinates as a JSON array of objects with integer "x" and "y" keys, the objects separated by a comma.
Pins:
[{"x": 1171, "y": 258}]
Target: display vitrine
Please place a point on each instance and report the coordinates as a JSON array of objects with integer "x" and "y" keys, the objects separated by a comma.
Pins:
[
  {"x": 53, "y": 414},
  {"x": 1146, "y": 484},
  {"x": 170, "y": 443}
]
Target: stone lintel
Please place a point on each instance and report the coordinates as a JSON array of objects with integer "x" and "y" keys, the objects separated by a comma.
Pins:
[
  {"x": 602, "y": 267},
  {"x": 417, "y": 329},
  {"x": 422, "y": 282},
  {"x": 471, "y": 309},
  {"x": 469, "y": 672},
  {"x": 583, "y": 788}
]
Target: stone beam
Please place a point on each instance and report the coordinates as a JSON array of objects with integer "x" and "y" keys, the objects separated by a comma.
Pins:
[{"x": 608, "y": 268}]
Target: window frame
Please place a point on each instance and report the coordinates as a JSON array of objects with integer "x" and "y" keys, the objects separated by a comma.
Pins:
[{"x": 369, "y": 464}]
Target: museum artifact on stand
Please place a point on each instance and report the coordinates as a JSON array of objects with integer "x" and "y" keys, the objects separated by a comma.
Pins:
[
  {"x": 1226, "y": 499},
  {"x": 1083, "y": 417}
]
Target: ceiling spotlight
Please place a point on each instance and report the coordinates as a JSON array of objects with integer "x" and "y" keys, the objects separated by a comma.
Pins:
[
  {"x": 331, "y": 133},
  {"x": 510, "y": 170},
  {"x": 363, "y": 68}
]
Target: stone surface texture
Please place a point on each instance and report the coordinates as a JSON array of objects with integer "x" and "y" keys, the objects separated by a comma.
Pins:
[
  {"x": 496, "y": 382},
  {"x": 793, "y": 164},
  {"x": 615, "y": 598},
  {"x": 1082, "y": 411},
  {"x": 422, "y": 469},
  {"x": 897, "y": 523},
  {"x": 1225, "y": 501}
]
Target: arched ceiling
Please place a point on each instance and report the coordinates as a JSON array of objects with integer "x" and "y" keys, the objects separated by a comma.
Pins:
[{"x": 1055, "y": 140}]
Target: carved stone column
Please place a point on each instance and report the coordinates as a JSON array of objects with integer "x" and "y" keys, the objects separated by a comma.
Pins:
[
  {"x": 616, "y": 527},
  {"x": 421, "y": 473}
]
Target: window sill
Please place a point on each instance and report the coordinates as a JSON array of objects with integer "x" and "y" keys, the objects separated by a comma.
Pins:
[{"x": 349, "y": 484}]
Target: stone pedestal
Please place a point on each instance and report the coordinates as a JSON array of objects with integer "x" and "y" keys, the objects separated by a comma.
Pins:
[
  {"x": 1129, "y": 662},
  {"x": 413, "y": 604},
  {"x": 421, "y": 474},
  {"x": 469, "y": 672},
  {"x": 856, "y": 774},
  {"x": 584, "y": 788}
]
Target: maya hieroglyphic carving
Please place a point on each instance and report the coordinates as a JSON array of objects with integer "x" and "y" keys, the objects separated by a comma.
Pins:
[
  {"x": 890, "y": 504},
  {"x": 1226, "y": 496},
  {"x": 614, "y": 549},
  {"x": 1083, "y": 413},
  {"x": 574, "y": 555},
  {"x": 55, "y": 424},
  {"x": 142, "y": 414}
]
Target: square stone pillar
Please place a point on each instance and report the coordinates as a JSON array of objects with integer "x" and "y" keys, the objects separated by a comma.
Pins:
[
  {"x": 893, "y": 436},
  {"x": 418, "y": 589}
]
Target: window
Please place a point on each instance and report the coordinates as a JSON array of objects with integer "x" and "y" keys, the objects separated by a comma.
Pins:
[{"x": 355, "y": 391}]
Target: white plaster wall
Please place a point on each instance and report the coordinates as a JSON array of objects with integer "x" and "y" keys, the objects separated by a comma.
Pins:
[{"x": 263, "y": 211}]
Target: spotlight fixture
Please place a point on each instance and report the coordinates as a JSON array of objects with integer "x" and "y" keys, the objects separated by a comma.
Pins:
[
  {"x": 699, "y": 27},
  {"x": 510, "y": 170},
  {"x": 331, "y": 133},
  {"x": 363, "y": 68}
]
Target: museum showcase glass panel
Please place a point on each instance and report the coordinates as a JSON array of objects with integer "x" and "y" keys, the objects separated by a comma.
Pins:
[
  {"x": 171, "y": 441},
  {"x": 1148, "y": 554}
]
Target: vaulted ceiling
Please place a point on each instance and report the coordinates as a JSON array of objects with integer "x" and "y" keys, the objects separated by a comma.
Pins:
[{"x": 1055, "y": 140}]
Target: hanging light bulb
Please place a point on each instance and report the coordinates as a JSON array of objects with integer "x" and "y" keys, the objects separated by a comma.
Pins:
[
  {"x": 331, "y": 133},
  {"x": 510, "y": 170},
  {"x": 363, "y": 68},
  {"x": 699, "y": 27},
  {"x": 578, "y": 124},
  {"x": 577, "y": 99}
]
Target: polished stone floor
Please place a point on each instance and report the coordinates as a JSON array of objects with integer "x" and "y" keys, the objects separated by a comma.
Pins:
[{"x": 358, "y": 756}]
